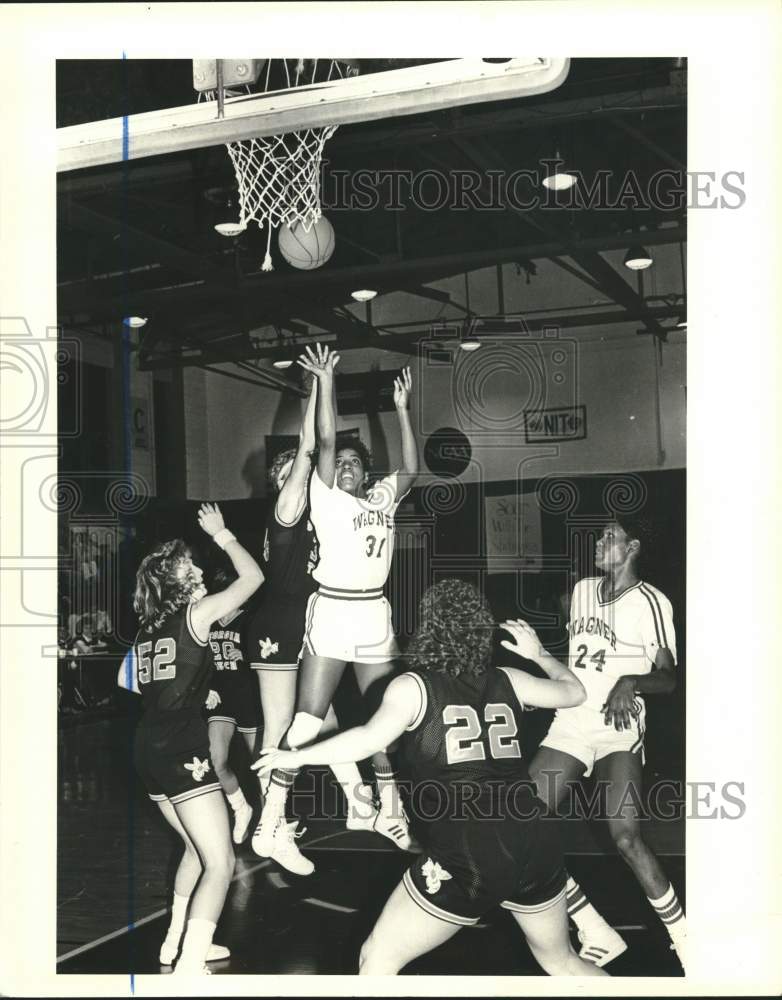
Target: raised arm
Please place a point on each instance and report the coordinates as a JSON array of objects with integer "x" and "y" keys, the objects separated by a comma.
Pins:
[
  {"x": 293, "y": 495},
  {"x": 410, "y": 463},
  {"x": 322, "y": 366},
  {"x": 250, "y": 577},
  {"x": 562, "y": 690},
  {"x": 401, "y": 703}
]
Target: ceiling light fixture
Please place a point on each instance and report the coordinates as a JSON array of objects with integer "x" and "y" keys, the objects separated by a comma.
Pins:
[
  {"x": 363, "y": 294},
  {"x": 638, "y": 258},
  {"x": 559, "y": 179},
  {"x": 469, "y": 345},
  {"x": 134, "y": 322},
  {"x": 283, "y": 363}
]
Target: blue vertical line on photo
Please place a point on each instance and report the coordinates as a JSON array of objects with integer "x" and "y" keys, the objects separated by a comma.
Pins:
[{"x": 126, "y": 430}]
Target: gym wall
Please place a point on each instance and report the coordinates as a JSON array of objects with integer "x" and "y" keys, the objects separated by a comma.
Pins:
[{"x": 484, "y": 395}]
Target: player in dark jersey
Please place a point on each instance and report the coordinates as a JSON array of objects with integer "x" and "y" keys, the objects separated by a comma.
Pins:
[
  {"x": 232, "y": 703},
  {"x": 458, "y": 719},
  {"x": 274, "y": 639},
  {"x": 170, "y": 667}
]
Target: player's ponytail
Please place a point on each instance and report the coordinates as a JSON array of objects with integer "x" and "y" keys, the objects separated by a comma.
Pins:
[{"x": 159, "y": 590}]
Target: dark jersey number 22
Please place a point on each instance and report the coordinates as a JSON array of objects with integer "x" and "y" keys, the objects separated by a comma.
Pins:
[{"x": 463, "y": 738}]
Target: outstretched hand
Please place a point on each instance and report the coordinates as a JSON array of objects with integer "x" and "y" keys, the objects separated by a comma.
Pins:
[
  {"x": 210, "y": 518},
  {"x": 272, "y": 758},
  {"x": 213, "y": 699},
  {"x": 320, "y": 364},
  {"x": 526, "y": 642},
  {"x": 403, "y": 386}
]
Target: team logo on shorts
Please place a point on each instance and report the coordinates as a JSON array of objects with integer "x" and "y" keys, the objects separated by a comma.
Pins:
[
  {"x": 200, "y": 768},
  {"x": 268, "y": 647},
  {"x": 434, "y": 874}
]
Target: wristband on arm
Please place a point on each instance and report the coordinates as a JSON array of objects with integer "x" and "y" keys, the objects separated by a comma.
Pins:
[{"x": 223, "y": 537}]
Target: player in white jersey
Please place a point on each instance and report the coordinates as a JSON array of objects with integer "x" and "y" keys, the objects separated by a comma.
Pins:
[
  {"x": 275, "y": 636},
  {"x": 622, "y": 645},
  {"x": 348, "y": 619}
]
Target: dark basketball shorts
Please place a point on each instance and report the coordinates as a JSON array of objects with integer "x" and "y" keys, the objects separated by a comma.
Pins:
[
  {"x": 497, "y": 868},
  {"x": 274, "y": 638},
  {"x": 177, "y": 769},
  {"x": 239, "y": 702}
]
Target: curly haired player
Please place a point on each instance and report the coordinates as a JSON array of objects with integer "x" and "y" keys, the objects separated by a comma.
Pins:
[{"x": 458, "y": 720}]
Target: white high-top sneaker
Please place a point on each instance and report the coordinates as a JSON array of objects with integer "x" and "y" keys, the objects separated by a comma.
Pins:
[{"x": 285, "y": 852}]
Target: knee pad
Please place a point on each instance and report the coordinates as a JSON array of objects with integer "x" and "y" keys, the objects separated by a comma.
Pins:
[{"x": 303, "y": 730}]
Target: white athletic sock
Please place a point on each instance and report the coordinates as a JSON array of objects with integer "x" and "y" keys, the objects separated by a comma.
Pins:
[
  {"x": 198, "y": 938},
  {"x": 264, "y": 779},
  {"x": 387, "y": 792},
  {"x": 357, "y": 794},
  {"x": 579, "y": 909},
  {"x": 669, "y": 910},
  {"x": 274, "y": 804},
  {"x": 237, "y": 800},
  {"x": 178, "y": 917}
]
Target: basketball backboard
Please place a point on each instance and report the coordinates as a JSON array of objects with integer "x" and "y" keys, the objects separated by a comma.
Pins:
[{"x": 393, "y": 93}]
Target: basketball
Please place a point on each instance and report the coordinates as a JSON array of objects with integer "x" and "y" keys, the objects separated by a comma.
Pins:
[{"x": 307, "y": 250}]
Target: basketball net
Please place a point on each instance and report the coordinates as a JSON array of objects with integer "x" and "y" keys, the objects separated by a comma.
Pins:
[{"x": 278, "y": 176}]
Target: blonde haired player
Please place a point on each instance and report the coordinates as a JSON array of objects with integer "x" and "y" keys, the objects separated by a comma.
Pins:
[
  {"x": 622, "y": 646},
  {"x": 348, "y": 619},
  {"x": 170, "y": 666}
]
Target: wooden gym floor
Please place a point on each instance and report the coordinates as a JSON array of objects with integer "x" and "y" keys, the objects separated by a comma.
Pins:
[{"x": 116, "y": 859}]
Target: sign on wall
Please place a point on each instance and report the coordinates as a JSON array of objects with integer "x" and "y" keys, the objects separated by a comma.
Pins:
[
  {"x": 139, "y": 422},
  {"x": 513, "y": 533},
  {"x": 560, "y": 423}
]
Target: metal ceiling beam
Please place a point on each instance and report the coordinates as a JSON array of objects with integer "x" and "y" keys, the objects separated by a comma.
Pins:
[
  {"x": 576, "y": 273},
  {"x": 330, "y": 321},
  {"x": 408, "y": 342},
  {"x": 644, "y": 139},
  {"x": 170, "y": 254},
  {"x": 260, "y": 383},
  {"x": 617, "y": 288},
  {"x": 487, "y": 158},
  {"x": 263, "y": 289},
  {"x": 529, "y": 115}
]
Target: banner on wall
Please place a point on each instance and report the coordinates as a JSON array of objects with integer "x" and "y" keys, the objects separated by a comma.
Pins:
[
  {"x": 560, "y": 423},
  {"x": 139, "y": 422},
  {"x": 513, "y": 533}
]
